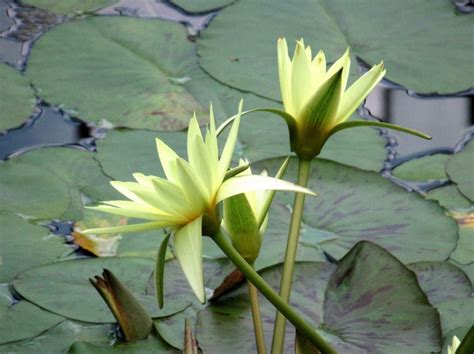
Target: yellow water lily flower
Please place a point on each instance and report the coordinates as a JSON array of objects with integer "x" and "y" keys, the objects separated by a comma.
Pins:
[
  {"x": 185, "y": 201},
  {"x": 317, "y": 102}
]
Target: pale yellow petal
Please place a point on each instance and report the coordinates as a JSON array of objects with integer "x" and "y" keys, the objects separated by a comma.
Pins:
[
  {"x": 229, "y": 147},
  {"x": 156, "y": 225},
  {"x": 300, "y": 78},
  {"x": 191, "y": 185},
  {"x": 166, "y": 155},
  {"x": 284, "y": 73},
  {"x": 188, "y": 250},
  {"x": 318, "y": 70},
  {"x": 343, "y": 62},
  {"x": 359, "y": 90}
]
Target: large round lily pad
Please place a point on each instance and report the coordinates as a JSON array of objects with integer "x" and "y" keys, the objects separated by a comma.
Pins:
[
  {"x": 460, "y": 168},
  {"x": 356, "y": 307},
  {"x": 239, "y": 47},
  {"x": 449, "y": 197},
  {"x": 423, "y": 169},
  {"x": 47, "y": 183},
  {"x": 64, "y": 287},
  {"x": 59, "y": 338},
  {"x": 125, "y": 70},
  {"x": 16, "y": 98},
  {"x": 355, "y": 205},
  {"x": 24, "y": 245},
  {"x": 23, "y": 320},
  {"x": 69, "y": 6}
]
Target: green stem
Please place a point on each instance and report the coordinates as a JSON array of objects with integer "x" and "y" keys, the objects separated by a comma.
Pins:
[
  {"x": 257, "y": 318},
  {"x": 278, "y": 341},
  {"x": 294, "y": 317}
]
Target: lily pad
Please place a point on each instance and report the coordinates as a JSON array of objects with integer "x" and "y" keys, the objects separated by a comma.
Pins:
[
  {"x": 456, "y": 313},
  {"x": 28, "y": 182},
  {"x": 201, "y": 6},
  {"x": 355, "y": 306},
  {"x": 449, "y": 197},
  {"x": 63, "y": 287},
  {"x": 441, "y": 281},
  {"x": 423, "y": 169},
  {"x": 16, "y": 98},
  {"x": 468, "y": 269},
  {"x": 356, "y": 205},
  {"x": 58, "y": 339},
  {"x": 464, "y": 252},
  {"x": 23, "y": 320},
  {"x": 69, "y": 6},
  {"x": 24, "y": 245},
  {"x": 139, "y": 63},
  {"x": 460, "y": 169},
  {"x": 409, "y": 45},
  {"x": 149, "y": 346},
  {"x": 171, "y": 329}
]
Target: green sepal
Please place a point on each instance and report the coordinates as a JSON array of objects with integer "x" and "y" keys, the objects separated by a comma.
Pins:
[
  {"x": 160, "y": 270},
  {"x": 133, "y": 319}
]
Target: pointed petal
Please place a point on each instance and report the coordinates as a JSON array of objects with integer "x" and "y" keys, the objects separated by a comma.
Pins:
[
  {"x": 160, "y": 270},
  {"x": 166, "y": 155},
  {"x": 173, "y": 195},
  {"x": 284, "y": 74},
  {"x": 343, "y": 62},
  {"x": 131, "y": 213},
  {"x": 124, "y": 188},
  {"x": 194, "y": 134},
  {"x": 188, "y": 250},
  {"x": 254, "y": 183},
  {"x": 226, "y": 155},
  {"x": 300, "y": 78},
  {"x": 156, "y": 225},
  {"x": 192, "y": 186},
  {"x": 356, "y": 94},
  {"x": 369, "y": 123}
]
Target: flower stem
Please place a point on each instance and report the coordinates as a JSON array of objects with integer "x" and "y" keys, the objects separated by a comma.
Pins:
[
  {"x": 294, "y": 317},
  {"x": 257, "y": 318},
  {"x": 278, "y": 341}
]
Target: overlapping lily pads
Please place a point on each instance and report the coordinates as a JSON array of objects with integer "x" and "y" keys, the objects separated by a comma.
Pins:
[
  {"x": 67, "y": 7},
  {"x": 338, "y": 301},
  {"x": 24, "y": 245},
  {"x": 63, "y": 287},
  {"x": 409, "y": 46},
  {"x": 460, "y": 169},
  {"x": 16, "y": 98},
  {"x": 423, "y": 168},
  {"x": 357, "y": 205}
]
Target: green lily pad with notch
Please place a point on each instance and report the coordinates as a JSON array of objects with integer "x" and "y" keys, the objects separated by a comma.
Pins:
[
  {"x": 17, "y": 99},
  {"x": 47, "y": 183},
  {"x": 449, "y": 197},
  {"x": 64, "y": 288},
  {"x": 370, "y": 302},
  {"x": 358, "y": 205},
  {"x": 456, "y": 313},
  {"x": 150, "y": 346},
  {"x": 58, "y": 339},
  {"x": 409, "y": 46},
  {"x": 201, "y": 6},
  {"x": 23, "y": 320},
  {"x": 460, "y": 168},
  {"x": 423, "y": 169},
  {"x": 120, "y": 69},
  {"x": 24, "y": 245},
  {"x": 66, "y": 7},
  {"x": 441, "y": 281}
]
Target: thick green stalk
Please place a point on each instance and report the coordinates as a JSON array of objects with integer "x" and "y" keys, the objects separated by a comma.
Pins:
[
  {"x": 278, "y": 341},
  {"x": 294, "y": 317},
  {"x": 257, "y": 318}
]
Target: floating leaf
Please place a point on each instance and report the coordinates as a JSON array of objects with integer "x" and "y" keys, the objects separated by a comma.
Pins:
[
  {"x": 149, "y": 346},
  {"x": 423, "y": 169},
  {"x": 363, "y": 310},
  {"x": 456, "y": 313},
  {"x": 23, "y": 320},
  {"x": 28, "y": 182},
  {"x": 24, "y": 245},
  {"x": 408, "y": 45},
  {"x": 136, "y": 60},
  {"x": 449, "y": 197},
  {"x": 441, "y": 281},
  {"x": 464, "y": 252},
  {"x": 468, "y": 269},
  {"x": 357, "y": 205},
  {"x": 171, "y": 329},
  {"x": 200, "y": 6},
  {"x": 59, "y": 338},
  {"x": 16, "y": 98},
  {"x": 64, "y": 288},
  {"x": 460, "y": 170},
  {"x": 69, "y": 6}
]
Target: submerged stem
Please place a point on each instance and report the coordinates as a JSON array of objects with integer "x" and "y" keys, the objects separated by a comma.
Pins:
[
  {"x": 257, "y": 318},
  {"x": 294, "y": 317},
  {"x": 278, "y": 340}
]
